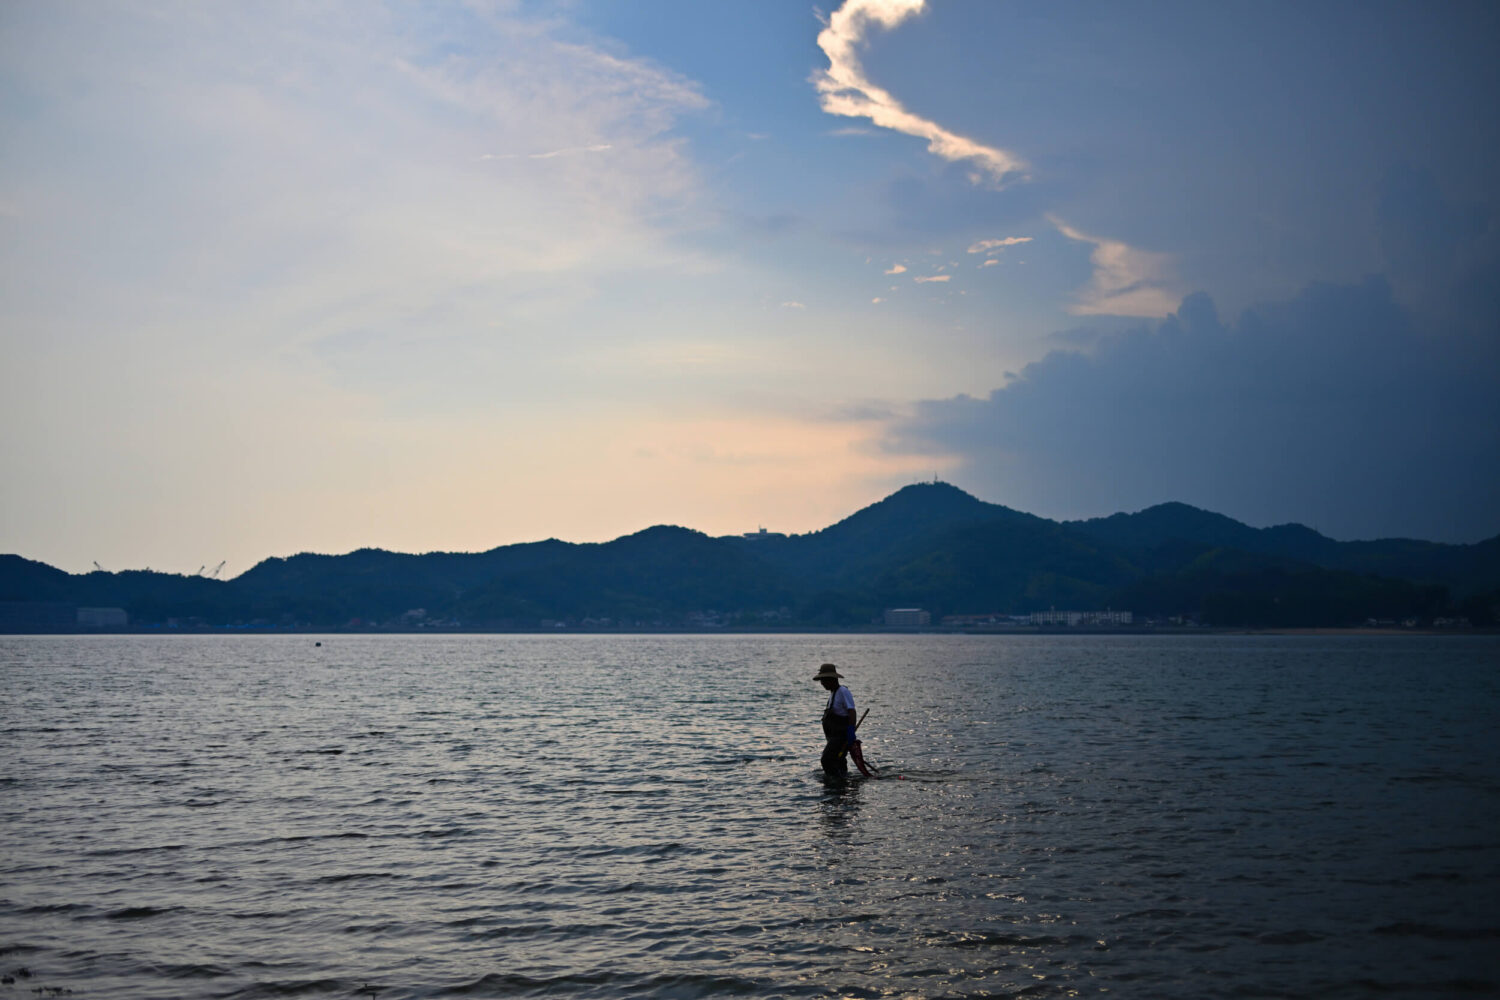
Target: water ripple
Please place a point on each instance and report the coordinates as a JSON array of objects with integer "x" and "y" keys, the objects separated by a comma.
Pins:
[{"x": 412, "y": 817}]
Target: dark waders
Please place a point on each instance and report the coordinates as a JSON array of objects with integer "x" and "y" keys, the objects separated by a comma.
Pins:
[{"x": 834, "y": 728}]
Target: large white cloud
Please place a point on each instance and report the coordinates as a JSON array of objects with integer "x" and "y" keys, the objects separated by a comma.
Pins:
[
  {"x": 844, "y": 89},
  {"x": 1127, "y": 281}
]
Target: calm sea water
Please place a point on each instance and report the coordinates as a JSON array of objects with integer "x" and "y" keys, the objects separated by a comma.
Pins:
[{"x": 499, "y": 816}]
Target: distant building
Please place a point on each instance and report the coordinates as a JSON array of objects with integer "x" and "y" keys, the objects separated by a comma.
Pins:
[
  {"x": 1073, "y": 619},
  {"x": 102, "y": 618},
  {"x": 995, "y": 619},
  {"x": 969, "y": 621},
  {"x": 907, "y": 616},
  {"x": 761, "y": 535}
]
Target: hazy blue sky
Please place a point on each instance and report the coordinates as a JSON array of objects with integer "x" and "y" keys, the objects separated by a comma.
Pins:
[{"x": 313, "y": 276}]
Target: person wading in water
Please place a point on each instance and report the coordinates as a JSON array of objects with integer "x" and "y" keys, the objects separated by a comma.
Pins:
[{"x": 838, "y": 720}]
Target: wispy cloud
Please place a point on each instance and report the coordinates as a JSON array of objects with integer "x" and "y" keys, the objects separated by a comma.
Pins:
[
  {"x": 845, "y": 90},
  {"x": 599, "y": 148},
  {"x": 1127, "y": 281},
  {"x": 793, "y": 305},
  {"x": 995, "y": 246},
  {"x": 990, "y": 262},
  {"x": 400, "y": 147},
  {"x": 306, "y": 180},
  {"x": 897, "y": 269},
  {"x": 921, "y": 280}
]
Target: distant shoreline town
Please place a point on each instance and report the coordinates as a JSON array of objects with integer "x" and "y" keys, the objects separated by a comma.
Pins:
[{"x": 27, "y": 618}]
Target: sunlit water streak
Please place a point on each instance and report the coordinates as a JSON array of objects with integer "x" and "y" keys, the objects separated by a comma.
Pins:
[{"x": 609, "y": 816}]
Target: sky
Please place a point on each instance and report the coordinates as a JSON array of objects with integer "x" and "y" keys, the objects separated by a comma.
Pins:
[{"x": 285, "y": 276}]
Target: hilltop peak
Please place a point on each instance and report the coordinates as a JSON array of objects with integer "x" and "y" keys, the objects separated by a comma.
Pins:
[
  {"x": 936, "y": 488},
  {"x": 932, "y": 498},
  {"x": 911, "y": 512}
]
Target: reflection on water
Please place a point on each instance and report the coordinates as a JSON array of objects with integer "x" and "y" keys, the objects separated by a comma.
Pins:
[
  {"x": 603, "y": 816},
  {"x": 839, "y": 807}
]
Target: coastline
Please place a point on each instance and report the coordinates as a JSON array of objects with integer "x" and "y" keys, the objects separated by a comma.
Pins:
[{"x": 312, "y": 631}]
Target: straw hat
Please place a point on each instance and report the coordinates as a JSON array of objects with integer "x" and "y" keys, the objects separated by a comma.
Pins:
[{"x": 827, "y": 670}]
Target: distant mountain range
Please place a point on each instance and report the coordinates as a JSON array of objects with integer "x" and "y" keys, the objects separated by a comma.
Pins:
[{"x": 929, "y": 546}]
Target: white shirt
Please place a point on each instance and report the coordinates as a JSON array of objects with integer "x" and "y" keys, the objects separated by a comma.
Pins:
[{"x": 843, "y": 702}]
